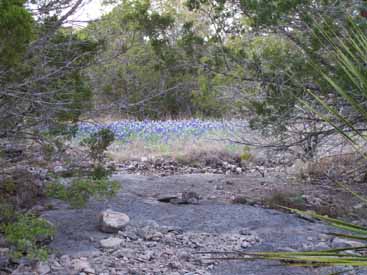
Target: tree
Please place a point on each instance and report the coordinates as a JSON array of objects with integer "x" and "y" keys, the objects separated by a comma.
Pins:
[
  {"x": 268, "y": 52},
  {"x": 153, "y": 61},
  {"x": 40, "y": 73},
  {"x": 43, "y": 93},
  {"x": 43, "y": 90}
]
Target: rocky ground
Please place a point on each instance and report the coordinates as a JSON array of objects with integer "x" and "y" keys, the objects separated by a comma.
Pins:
[
  {"x": 282, "y": 181},
  {"x": 226, "y": 164},
  {"x": 172, "y": 223}
]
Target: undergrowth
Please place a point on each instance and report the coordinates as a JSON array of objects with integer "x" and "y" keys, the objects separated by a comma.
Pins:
[
  {"x": 26, "y": 234},
  {"x": 80, "y": 191}
]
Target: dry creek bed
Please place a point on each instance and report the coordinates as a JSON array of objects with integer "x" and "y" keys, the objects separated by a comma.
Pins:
[{"x": 174, "y": 220}]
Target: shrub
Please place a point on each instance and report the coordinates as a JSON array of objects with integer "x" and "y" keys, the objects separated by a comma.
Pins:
[
  {"x": 7, "y": 212},
  {"x": 100, "y": 172},
  {"x": 246, "y": 155},
  {"x": 27, "y": 236},
  {"x": 98, "y": 143},
  {"x": 81, "y": 190}
]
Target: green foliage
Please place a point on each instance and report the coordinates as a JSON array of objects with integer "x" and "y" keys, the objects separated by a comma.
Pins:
[
  {"x": 98, "y": 143},
  {"x": 74, "y": 91},
  {"x": 100, "y": 172},
  {"x": 159, "y": 61},
  {"x": 80, "y": 191},
  {"x": 7, "y": 212},
  {"x": 27, "y": 234},
  {"x": 265, "y": 56},
  {"x": 16, "y": 22},
  {"x": 206, "y": 100},
  {"x": 350, "y": 90},
  {"x": 351, "y": 55},
  {"x": 272, "y": 12},
  {"x": 97, "y": 184},
  {"x": 330, "y": 257},
  {"x": 246, "y": 154}
]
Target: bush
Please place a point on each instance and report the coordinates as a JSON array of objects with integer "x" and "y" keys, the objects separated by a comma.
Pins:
[
  {"x": 7, "y": 212},
  {"x": 100, "y": 172},
  {"x": 246, "y": 155},
  {"x": 81, "y": 190},
  {"x": 27, "y": 236},
  {"x": 98, "y": 143}
]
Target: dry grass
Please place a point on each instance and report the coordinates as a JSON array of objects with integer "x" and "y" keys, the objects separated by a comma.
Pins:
[
  {"x": 331, "y": 165},
  {"x": 345, "y": 166},
  {"x": 184, "y": 151},
  {"x": 281, "y": 199}
]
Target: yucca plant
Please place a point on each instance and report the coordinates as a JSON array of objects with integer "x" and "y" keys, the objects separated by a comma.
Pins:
[{"x": 350, "y": 53}]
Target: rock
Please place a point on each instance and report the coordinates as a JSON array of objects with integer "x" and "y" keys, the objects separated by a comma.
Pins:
[
  {"x": 190, "y": 197},
  {"x": 174, "y": 265},
  {"x": 245, "y": 244},
  {"x": 147, "y": 256},
  {"x": 3, "y": 242},
  {"x": 130, "y": 235},
  {"x": 153, "y": 236},
  {"x": 42, "y": 268},
  {"x": 322, "y": 246},
  {"x": 56, "y": 266},
  {"x": 239, "y": 170},
  {"x": 4, "y": 251},
  {"x": 341, "y": 243},
  {"x": 167, "y": 198},
  {"x": 82, "y": 265},
  {"x": 359, "y": 206},
  {"x": 112, "y": 221},
  {"x": 229, "y": 182},
  {"x": 65, "y": 260},
  {"x": 36, "y": 210},
  {"x": 111, "y": 242},
  {"x": 59, "y": 169},
  {"x": 22, "y": 270},
  {"x": 150, "y": 234},
  {"x": 187, "y": 198},
  {"x": 4, "y": 260},
  {"x": 245, "y": 232}
]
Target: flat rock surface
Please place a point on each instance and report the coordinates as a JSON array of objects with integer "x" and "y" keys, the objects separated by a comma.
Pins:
[{"x": 211, "y": 225}]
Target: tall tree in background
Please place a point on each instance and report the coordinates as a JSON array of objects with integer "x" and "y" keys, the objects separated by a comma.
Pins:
[{"x": 154, "y": 61}]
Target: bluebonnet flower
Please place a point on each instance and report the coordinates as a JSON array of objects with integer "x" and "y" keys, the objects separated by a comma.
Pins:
[{"x": 126, "y": 130}]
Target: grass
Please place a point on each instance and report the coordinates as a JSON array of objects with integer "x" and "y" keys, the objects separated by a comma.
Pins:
[
  {"x": 178, "y": 148},
  {"x": 180, "y": 139}
]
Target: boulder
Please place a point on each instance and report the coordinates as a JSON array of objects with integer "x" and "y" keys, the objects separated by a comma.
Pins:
[{"x": 110, "y": 221}]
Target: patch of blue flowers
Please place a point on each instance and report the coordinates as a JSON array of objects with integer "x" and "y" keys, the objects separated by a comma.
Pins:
[{"x": 126, "y": 130}]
